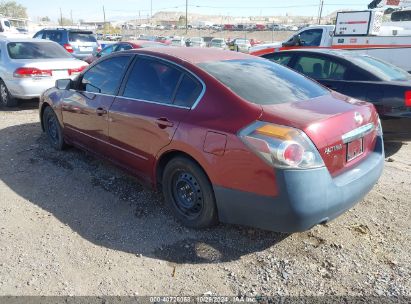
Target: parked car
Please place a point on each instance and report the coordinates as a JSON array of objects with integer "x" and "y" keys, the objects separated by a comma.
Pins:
[
  {"x": 207, "y": 40},
  {"x": 28, "y": 67},
  {"x": 123, "y": 46},
  {"x": 240, "y": 45},
  {"x": 275, "y": 151},
  {"x": 79, "y": 43},
  {"x": 164, "y": 40},
  {"x": 178, "y": 41},
  {"x": 357, "y": 75},
  {"x": 195, "y": 42},
  {"x": 219, "y": 43}
]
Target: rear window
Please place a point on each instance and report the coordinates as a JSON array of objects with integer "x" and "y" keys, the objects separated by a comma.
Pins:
[
  {"x": 36, "y": 50},
  {"x": 381, "y": 69},
  {"x": 82, "y": 36},
  {"x": 263, "y": 82}
]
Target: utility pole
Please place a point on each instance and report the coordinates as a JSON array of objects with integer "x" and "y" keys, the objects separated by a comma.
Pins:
[
  {"x": 151, "y": 11},
  {"x": 104, "y": 21},
  {"x": 61, "y": 17},
  {"x": 320, "y": 11},
  {"x": 186, "y": 17},
  {"x": 71, "y": 17}
]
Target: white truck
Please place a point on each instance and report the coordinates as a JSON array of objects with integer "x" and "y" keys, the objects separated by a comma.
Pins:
[
  {"x": 7, "y": 30},
  {"x": 362, "y": 31}
]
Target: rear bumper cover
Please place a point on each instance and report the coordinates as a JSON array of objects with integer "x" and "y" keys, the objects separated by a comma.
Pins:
[{"x": 308, "y": 197}]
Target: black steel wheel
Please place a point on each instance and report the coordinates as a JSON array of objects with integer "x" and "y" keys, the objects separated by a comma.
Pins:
[
  {"x": 189, "y": 193},
  {"x": 53, "y": 129}
]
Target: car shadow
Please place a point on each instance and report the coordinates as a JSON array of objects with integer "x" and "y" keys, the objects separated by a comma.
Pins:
[
  {"x": 22, "y": 104},
  {"x": 109, "y": 208}
]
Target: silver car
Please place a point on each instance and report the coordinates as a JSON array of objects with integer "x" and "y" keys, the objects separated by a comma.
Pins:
[
  {"x": 28, "y": 67},
  {"x": 218, "y": 43}
]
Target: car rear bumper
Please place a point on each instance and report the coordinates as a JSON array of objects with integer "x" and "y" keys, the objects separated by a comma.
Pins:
[{"x": 308, "y": 197}]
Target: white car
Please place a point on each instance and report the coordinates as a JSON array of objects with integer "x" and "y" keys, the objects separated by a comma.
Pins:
[
  {"x": 178, "y": 41},
  {"x": 28, "y": 67},
  {"x": 197, "y": 42},
  {"x": 218, "y": 43}
]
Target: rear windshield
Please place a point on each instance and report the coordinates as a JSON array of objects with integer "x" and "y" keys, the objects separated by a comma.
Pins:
[
  {"x": 401, "y": 16},
  {"x": 82, "y": 36},
  {"x": 36, "y": 50},
  {"x": 263, "y": 82},
  {"x": 381, "y": 69}
]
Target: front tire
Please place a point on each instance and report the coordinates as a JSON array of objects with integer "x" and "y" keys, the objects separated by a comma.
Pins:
[
  {"x": 6, "y": 98},
  {"x": 53, "y": 129},
  {"x": 189, "y": 193}
]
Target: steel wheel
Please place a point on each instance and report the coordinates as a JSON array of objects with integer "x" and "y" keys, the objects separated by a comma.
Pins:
[{"x": 187, "y": 194}]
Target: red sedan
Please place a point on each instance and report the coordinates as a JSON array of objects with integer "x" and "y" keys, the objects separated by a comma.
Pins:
[
  {"x": 123, "y": 46},
  {"x": 227, "y": 136}
]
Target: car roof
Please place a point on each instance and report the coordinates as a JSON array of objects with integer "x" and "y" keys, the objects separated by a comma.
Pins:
[
  {"x": 7, "y": 40},
  {"x": 337, "y": 53},
  {"x": 195, "y": 55}
]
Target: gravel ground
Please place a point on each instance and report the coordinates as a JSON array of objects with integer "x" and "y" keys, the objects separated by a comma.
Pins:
[{"x": 71, "y": 224}]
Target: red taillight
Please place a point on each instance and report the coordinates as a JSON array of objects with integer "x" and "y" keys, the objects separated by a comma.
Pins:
[
  {"x": 77, "y": 70},
  {"x": 31, "y": 72},
  {"x": 408, "y": 99},
  {"x": 291, "y": 153},
  {"x": 68, "y": 48},
  {"x": 99, "y": 48}
]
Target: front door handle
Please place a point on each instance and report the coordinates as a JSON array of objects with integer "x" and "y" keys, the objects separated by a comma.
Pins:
[
  {"x": 164, "y": 123},
  {"x": 101, "y": 111}
]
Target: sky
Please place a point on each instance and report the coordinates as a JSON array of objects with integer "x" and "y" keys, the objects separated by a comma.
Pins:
[{"x": 87, "y": 10}]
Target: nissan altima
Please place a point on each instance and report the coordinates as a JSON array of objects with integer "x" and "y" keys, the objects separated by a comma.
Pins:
[{"x": 227, "y": 136}]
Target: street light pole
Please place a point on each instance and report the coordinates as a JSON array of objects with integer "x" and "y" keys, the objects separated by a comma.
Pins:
[{"x": 186, "y": 17}]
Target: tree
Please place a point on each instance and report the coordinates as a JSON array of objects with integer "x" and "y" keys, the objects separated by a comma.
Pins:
[
  {"x": 12, "y": 9},
  {"x": 182, "y": 20}
]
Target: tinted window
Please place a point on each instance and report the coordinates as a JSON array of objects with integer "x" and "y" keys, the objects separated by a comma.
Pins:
[
  {"x": 311, "y": 37},
  {"x": 320, "y": 68},
  {"x": 279, "y": 58},
  {"x": 381, "y": 69},
  {"x": 401, "y": 16},
  {"x": 105, "y": 77},
  {"x": 36, "y": 50},
  {"x": 187, "y": 92},
  {"x": 123, "y": 47},
  {"x": 152, "y": 80},
  {"x": 39, "y": 35},
  {"x": 52, "y": 35},
  {"x": 107, "y": 50},
  {"x": 263, "y": 82},
  {"x": 82, "y": 36}
]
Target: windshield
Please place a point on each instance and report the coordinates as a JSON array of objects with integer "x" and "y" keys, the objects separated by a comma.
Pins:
[
  {"x": 82, "y": 36},
  {"x": 196, "y": 39},
  {"x": 217, "y": 41},
  {"x": 381, "y": 69},
  {"x": 36, "y": 50},
  {"x": 263, "y": 82}
]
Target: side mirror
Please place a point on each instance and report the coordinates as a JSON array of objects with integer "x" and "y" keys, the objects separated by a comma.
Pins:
[{"x": 63, "y": 84}]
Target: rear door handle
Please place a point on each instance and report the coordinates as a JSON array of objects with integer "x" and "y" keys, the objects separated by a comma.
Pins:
[
  {"x": 101, "y": 111},
  {"x": 164, "y": 123}
]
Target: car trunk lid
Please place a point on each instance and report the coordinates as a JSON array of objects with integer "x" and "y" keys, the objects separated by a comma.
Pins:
[
  {"x": 59, "y": 67},
  {"x": 343, "y": 129}
]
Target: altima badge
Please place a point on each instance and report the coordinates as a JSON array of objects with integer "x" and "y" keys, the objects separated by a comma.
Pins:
[{"x": 332, "y": 149}]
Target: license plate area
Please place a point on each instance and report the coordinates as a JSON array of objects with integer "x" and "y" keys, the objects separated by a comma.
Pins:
[
  {"x": 355, "y": 148},
  {"x": 86, "y": 48}
]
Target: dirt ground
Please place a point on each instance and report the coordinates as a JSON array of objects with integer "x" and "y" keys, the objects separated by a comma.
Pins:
[{"x": 71, "y": 224}]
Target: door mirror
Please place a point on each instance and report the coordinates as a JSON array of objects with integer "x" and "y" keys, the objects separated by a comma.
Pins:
[{"x": 63, "y": 84}]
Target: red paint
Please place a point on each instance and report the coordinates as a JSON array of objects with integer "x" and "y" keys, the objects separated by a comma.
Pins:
[{"x": 136, "y": 134}]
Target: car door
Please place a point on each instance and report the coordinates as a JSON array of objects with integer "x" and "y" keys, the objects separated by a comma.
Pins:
[
  {"x": 85, "y": 107},
  {"x": 153, "y": 100},
  {"x": 327, "y": 70}
]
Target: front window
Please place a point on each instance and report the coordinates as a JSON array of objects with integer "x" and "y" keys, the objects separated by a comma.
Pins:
[
  {"x": 263, "y": 82},
  {"x": 36, "y": 50}
]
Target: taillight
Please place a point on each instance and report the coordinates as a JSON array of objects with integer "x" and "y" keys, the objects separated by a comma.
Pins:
[
  {"x": 408, "y": 99},
  {"x": 68, "y": 48},
  {"x": 77, "y": 70},
  {"x": 99, "y": 48},
  {"x": 281, "y": 146},
  {"x": 31, "y": 72}
]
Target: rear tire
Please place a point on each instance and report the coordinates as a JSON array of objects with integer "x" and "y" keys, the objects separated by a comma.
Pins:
[
  {"x": 189, "y": 193},
  {"x": 53, "y": 129},
  {"x": 7, "y": 100}
]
